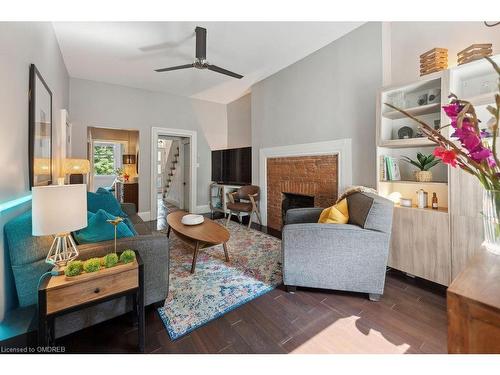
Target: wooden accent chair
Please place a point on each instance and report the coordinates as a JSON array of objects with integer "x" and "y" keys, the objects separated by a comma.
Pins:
[{"x": 249, "y": 193}]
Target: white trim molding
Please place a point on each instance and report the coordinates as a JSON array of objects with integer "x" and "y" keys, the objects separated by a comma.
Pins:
[
  {"x": 203, "y": 209},
  {"x": 193, "y": 165},
  {"x": 340, "y": 147},
  {"x": 145, "y": 216}
]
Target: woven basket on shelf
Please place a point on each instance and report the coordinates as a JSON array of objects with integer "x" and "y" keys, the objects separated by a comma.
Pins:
[{"x": 423, "y": 176}]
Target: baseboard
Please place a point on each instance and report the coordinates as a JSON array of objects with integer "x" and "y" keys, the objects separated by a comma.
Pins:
[
  {"x": 203, "y": 209},
  {"x": 146, "y": 216}
]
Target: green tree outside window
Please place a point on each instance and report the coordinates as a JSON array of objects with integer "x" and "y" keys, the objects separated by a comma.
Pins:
[{"x": 104, "y": 160}]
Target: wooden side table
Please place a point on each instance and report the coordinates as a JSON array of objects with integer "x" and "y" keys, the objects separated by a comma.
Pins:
[
  {"x": 473, "y": 300},
  {"x": 58, "y": 295}
]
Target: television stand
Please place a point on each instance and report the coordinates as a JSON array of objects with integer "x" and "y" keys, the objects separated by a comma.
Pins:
[{"x": 219, "y": 199}]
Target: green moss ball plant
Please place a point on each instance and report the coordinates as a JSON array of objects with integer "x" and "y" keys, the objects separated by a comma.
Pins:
[
  {"x": 92, "y": 265},
  {"x": 127, "y": 256},
  {"x": 74, "y": 268},
  {"x": 110, "y": 260}
]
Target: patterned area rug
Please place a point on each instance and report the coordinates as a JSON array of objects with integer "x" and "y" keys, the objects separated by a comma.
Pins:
[{"x": 218, "y": 287}]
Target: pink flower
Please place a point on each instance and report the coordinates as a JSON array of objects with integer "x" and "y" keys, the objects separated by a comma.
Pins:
[
  {"x": 470, "y": 141},
  {"x": 452, "y": 109},
  {"x": 447, "y": 156}
]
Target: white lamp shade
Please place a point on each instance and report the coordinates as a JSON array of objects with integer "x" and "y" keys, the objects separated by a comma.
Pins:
[{"x": 59, "y": 209}]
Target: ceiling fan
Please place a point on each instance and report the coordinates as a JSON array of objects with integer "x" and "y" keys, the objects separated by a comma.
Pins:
[{"x": 200, "y": 61}]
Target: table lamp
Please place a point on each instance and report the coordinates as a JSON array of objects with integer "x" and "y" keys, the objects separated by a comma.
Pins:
[
  {"x": 76, "y": 168},
  {"x": 58, "y": 210}
]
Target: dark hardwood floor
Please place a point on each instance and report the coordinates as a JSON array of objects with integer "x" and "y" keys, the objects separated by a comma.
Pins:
[{"x": 410, "y": 318}]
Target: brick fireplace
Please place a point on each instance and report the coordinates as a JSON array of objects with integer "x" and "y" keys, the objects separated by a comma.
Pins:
[{"x": 312, "y": 176}]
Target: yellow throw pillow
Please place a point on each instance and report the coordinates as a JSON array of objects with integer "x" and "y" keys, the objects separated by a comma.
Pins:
[{"x": 337, "y": 214}]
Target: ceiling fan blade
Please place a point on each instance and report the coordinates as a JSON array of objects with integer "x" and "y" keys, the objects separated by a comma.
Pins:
[
  {"x": 217, "y": 69},
  {"x": 185, "y": 66},
  {"x": 201, "y": 43}
]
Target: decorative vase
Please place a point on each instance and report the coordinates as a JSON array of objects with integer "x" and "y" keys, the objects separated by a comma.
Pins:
[
  {"x": 423, "y": 176},
  {"x": 491, "y": 222}
]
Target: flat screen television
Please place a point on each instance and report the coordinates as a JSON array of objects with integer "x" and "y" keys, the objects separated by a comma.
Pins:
[{"x": 232, "y": 166}]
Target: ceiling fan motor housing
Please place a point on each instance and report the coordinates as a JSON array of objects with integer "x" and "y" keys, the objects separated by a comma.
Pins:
[{"x": 200, "y": 64}]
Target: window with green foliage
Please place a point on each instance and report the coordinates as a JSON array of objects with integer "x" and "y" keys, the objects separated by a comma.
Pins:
[{"x": 106, "y": 158}]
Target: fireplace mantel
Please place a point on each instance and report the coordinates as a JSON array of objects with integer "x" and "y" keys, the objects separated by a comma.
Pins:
[{"x": 340, "y": 147}]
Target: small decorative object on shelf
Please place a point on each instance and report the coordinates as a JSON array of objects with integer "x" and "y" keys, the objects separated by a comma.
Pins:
[
  {"x": 422, "y": 197},
  {"x": 474, "y": 52},
  {"x": 434, "y": 201},
  {"x": 422, "y": 99},
  {"x": 474, "y": 155},
  {"x": 405, "y": 202},
  {"x": 433, "y": 60},
  {"x": 434, "y": 96},
  {"x": 405, "y": 132},
  {"x": 423, "y": 163}
]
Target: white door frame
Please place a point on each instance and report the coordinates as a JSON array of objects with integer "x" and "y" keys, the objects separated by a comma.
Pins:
[{"x": 192, "y": 135}]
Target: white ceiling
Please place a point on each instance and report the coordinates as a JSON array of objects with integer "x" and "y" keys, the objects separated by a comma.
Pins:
[{"x": 126, "y": 53}]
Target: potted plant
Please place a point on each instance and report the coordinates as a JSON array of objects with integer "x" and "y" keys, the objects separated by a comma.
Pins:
[
  {"x": 423, "y": 163},
  {"x": 474, "y": 154}
]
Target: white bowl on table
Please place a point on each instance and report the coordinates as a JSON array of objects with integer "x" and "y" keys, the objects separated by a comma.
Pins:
[{"x": 192, "y": 219}]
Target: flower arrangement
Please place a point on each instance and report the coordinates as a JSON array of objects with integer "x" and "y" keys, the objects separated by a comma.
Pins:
[{"x": 470, "y": 150}]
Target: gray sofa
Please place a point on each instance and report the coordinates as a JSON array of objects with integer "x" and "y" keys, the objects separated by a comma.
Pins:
[
  {"x": 349, "y": 257},
  {"x": 27, "y": 254}
]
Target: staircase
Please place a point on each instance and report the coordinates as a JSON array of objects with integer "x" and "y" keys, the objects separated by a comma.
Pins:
[{"x": 171, "y": 173}]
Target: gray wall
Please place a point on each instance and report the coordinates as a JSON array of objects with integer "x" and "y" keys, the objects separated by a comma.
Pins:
[
  {"x": 112, "y": 106},
  {"x": 239, "y": 122},
  {"x": 328, "y": 95},
  {"x": 20, "y": 45},
  {"x": 410, "y": 39}
]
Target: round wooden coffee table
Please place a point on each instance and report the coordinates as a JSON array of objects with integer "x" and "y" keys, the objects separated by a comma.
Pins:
[{"x": 200, "y": 236}]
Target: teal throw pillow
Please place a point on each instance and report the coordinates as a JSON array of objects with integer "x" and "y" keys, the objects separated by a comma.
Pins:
[
  {"x": 130, "y": 225},
  {"x": 98, "y": 229},
  {"x": 102, "y": 190},
  {"x": 106, "y": 202}
]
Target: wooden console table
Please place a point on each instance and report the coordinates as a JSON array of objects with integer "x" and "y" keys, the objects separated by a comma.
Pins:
[{"x": 473, "y": 300}]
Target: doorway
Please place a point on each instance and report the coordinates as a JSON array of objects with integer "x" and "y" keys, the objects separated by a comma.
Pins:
[
  {"x": 173, "y": 172},
  {"x": 113, "y": 157},
  {"x": 172, "y": 182}
]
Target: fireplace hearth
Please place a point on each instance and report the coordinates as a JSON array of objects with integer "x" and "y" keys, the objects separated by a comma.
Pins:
[{"x": 291, "y": 200}]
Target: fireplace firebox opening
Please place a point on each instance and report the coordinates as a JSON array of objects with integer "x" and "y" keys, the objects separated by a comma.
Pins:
[{"x": 290, "y": 200}]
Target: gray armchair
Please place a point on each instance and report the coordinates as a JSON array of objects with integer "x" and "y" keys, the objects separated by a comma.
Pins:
[{"x": 349, "y": 257}]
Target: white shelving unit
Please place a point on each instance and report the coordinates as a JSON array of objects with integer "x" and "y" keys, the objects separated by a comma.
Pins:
[
  {"x": 432, "y": 244},
  {"x": 219, "y": 198},
  {"x": 416, "y": 246}
]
